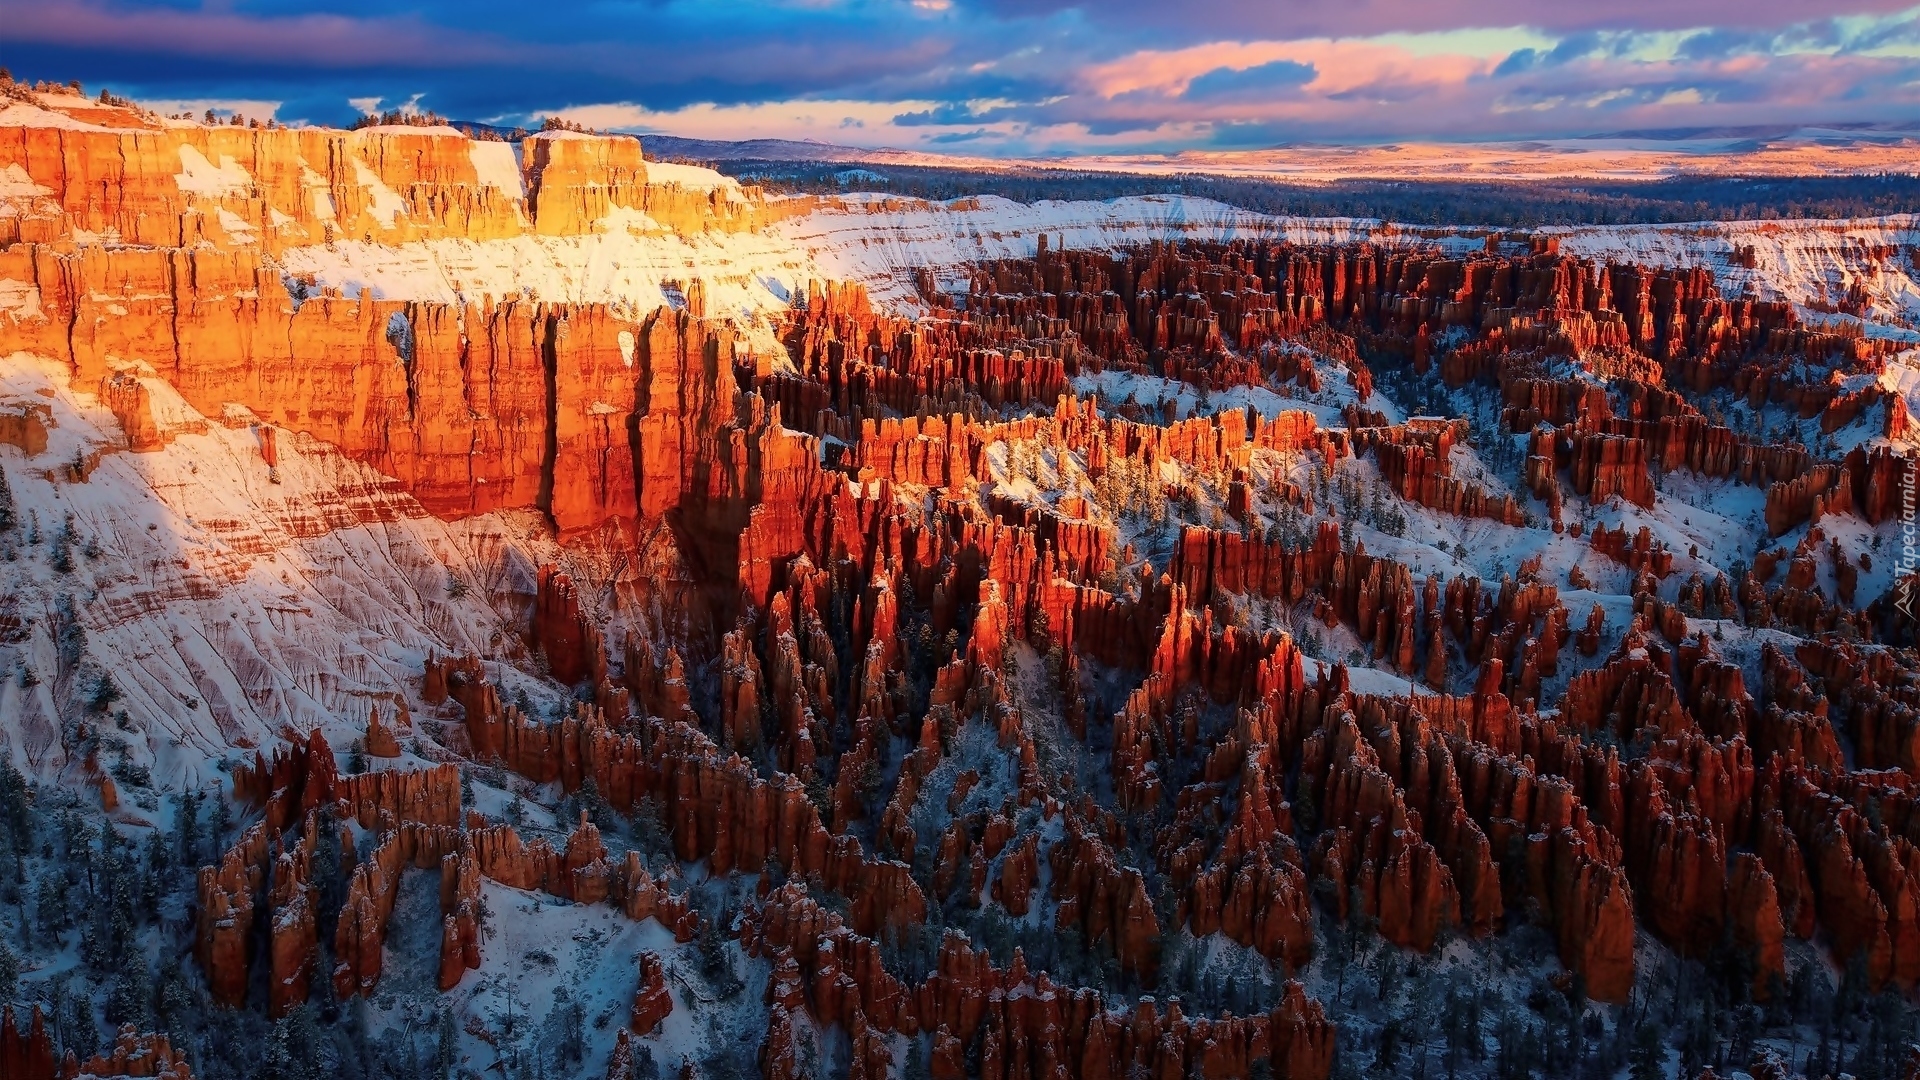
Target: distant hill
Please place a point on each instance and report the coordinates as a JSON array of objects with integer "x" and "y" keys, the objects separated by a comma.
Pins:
[
  {"x": 672, "y": 147},
  {"x": 1863, "y": 132}
]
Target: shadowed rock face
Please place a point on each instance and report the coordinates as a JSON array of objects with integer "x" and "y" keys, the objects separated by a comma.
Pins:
[{"x": 936, "y": 645}]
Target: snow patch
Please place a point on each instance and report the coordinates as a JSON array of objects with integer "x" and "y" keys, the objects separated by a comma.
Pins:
[
  {"x": 20, "y": 114},
  {"x": 198, "y": 176},
  {"x": 236, "y": 227},
  {"x": 496, "y": 166},
  {"x": 745, "y": 276},
  {"x": 16, "y": 184},
  {"x": 693, "y": 178},
  {"x": 20, "y": 298},
  {"x": 410, "y": 129},
  {"x": 386, "y": 202}
]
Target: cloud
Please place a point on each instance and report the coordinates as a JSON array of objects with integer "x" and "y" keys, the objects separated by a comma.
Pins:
[
  {"x": 1716, "y": 44},
  {"x": 945, "y": 114},
  {"x": 221, "y": 107},
  {"x": 1007, "y": 76},
  {"x": 1270, "y": 77},
  {"x": 307, "y": 40},
  {"x": 868, "y": 122},
  {"x": 1372, "y": 18},
  {"x": 1330, "y": 68}
]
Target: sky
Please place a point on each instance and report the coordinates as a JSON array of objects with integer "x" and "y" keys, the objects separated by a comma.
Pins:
[{"x": 1003, "y": 77}]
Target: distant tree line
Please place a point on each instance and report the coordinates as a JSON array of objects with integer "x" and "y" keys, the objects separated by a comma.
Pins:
[
  {"x": 1495, "y": 203},
  {"x": 398, "y": 118}
]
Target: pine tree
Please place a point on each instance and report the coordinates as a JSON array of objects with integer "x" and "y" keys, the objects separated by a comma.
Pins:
[
  {"x": 173, "y": 1001},
  {"x": 50, "y": 905},
  {"x": 327, "y": 874},
  {"x": 1386, "y": 1057},
  {"x": 916, "y": 1066},
  {"x": 281, "y": 1059},
  {"x": 62, "y": 557},
  {"x": 105, "y": 693},
  {"x": 1647, "y": 1060},
  {"x": 223, "y": 819},
  {"x": 129, "y": 1001},
  {"x": 187, "y": 826},
  {"x": 446, "y": 1051},
  {"x": 159, "y": 853},
  {"x": 564, "y": 1030},
  {"x": 15, "y": 815},
  {"x": 7, "y": 517}
]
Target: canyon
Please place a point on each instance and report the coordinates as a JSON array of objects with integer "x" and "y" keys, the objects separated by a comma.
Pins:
[{"x": 859, "y": 636}]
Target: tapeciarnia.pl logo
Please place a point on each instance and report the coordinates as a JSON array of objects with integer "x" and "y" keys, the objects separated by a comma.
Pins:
[{"x": 1909, "y": 542}]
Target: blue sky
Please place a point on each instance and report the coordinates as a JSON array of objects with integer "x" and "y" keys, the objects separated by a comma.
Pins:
[{"x": 1003, "y": 77}]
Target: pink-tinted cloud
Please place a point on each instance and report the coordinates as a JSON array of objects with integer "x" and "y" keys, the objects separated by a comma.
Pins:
[
  {"x": 1340, "y": 67},
  {"x": 1367, "y": 18},
  {"x": 1382, "y": 89}
]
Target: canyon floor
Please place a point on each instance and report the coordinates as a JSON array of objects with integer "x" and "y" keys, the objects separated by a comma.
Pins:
[{"x": 475, "y": 607}]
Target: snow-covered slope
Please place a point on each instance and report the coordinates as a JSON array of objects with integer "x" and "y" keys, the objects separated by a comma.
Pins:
[
  {"x": 882, "y": 241},
  {"x": 1812, "y": 263},
  {"x": 229, "y": 602},
  {"x": 633, "y": 265}
]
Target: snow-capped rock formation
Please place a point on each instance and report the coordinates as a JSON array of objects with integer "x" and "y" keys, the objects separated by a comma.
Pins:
[{"x": 868, "y": 635}]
